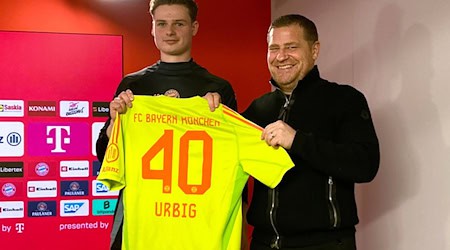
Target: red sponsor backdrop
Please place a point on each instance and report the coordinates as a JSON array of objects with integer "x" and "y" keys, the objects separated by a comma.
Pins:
[
  {"x": 231, "y": 43},
  {"x": 54, "y": 92}
]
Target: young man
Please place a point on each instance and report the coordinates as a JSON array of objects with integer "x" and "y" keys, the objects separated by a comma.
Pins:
[
  {"x": 175, "y": 74},
  {"x": 328, "y": 131}
]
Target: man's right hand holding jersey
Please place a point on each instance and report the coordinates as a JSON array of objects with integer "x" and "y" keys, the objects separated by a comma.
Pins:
[{"x": 124, "y": 100}]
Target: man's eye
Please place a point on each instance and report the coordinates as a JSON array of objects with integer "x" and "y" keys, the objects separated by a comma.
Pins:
[
  {"x": 274, "y": 49},
  {"x": 179, "y": 24},
  {"x": 292, "y": 47},
  {"x": 160, "y": 24}
]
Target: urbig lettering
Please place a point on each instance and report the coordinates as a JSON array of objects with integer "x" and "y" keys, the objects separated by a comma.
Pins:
[{"x": 175, "y": 210}]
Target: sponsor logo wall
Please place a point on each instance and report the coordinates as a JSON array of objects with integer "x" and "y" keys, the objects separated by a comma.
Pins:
[{"x": 53, "y": 103}]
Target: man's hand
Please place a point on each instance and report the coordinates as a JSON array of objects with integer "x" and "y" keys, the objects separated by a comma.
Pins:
[
  {"x": 279, "y": 134},
  {"x": 213, "y": 100},
  {"x": 119, "y": 105}
]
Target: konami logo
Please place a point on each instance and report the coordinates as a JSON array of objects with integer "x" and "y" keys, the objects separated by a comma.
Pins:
[{"x": 41, "y": 108}]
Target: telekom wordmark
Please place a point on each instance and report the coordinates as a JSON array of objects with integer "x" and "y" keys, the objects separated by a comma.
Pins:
[
  {"x": 58, "y": 139},
  {"x": 64, "y": 139}
]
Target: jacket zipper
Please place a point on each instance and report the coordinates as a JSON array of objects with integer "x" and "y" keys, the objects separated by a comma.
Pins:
[
  {"x": 283, "y": 113},
  {"x": 332, "y": 201},
  {"x": 276, "y": 243}
]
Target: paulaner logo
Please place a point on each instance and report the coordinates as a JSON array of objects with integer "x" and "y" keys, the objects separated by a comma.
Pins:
[
  {"x": 41, "y": 208},
  {"x": 74, "y": 188}
]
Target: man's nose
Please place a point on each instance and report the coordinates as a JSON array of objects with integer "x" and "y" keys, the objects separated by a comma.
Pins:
[
  {"x": 170, "y": 30},
  {"x": 282, "y": 55}
]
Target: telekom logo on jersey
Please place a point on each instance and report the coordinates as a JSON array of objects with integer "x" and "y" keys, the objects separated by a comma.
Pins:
[{"x": 59, "y": 139}]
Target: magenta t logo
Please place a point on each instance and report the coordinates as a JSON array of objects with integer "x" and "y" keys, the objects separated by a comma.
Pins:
[
  {"x": 58, "y": 140},
  {"x": 65, "y": 139}
]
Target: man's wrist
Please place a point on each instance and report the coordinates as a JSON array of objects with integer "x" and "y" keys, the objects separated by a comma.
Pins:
[{"x": 109, "y": 129}]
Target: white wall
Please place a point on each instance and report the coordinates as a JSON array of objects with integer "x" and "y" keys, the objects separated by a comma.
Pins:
[{"x": 397, "y": 53}]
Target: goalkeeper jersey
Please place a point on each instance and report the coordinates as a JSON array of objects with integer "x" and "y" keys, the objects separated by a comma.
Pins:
[{"x": 183, "y": 169}]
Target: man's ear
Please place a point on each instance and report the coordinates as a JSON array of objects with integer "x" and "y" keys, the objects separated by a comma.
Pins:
[
  {"x": 315, "y": 50},
  {"x": 152, "y": 30},
  {"x": 195, "y": 25}
]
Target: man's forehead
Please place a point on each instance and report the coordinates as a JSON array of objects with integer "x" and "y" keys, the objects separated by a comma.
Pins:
[
  {"x": 170, "y": 20},
  {"x": 171, "y": 11}
]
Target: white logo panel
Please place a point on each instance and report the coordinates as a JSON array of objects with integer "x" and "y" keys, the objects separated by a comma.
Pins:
[
  {"x": 12, "y": 209},
  {"x": 99, "y": 189},
  {"x": 74, "y": 169},
  {"x": 96, "y": 127},
  {"x": 41, "y": 189},
  {"x": 11, "y": 139},
  {"x": 69, "y": 208},
  {"x": 74, "y": 108},
  {"x": 12, "y": 108}
]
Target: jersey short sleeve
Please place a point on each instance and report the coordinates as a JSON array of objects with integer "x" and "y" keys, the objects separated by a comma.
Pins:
[
  {"x": 263, "y": 162},
  {"x": 113, "y": 167}
]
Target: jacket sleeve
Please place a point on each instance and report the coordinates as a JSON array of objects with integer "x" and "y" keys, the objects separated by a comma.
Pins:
[
  {"x": 229, "y": 97},
  {"x": 353, "y": 154}
]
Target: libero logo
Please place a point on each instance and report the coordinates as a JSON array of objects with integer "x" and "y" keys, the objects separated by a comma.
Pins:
[
  {"x": 41, "y": 108},
  {"x": 74, "y": 208},
  {"x": 11, "y": 209},
  {"x": 37, "y": 189},
  {"x": 11, "y": 139},
  {"x": 41, "y": 208},
  {"x": 74, "y": 108},
  {"x": 11, "y": 169},
  {"x": 58, "y": 139},
  {"x": 11, "y": 108},
  {"x": 100, "y": 109},
  {"x": 74, "y": 169}
]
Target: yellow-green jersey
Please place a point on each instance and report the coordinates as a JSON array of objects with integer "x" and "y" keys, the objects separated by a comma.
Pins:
[{"x": 183, "y": 169}]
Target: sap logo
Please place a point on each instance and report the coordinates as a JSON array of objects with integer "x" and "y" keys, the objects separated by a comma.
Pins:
[
  {"x": 101, "y": 188},
  {"x": 72, "y": 207},
  {"x": 1, "y": 139}
]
